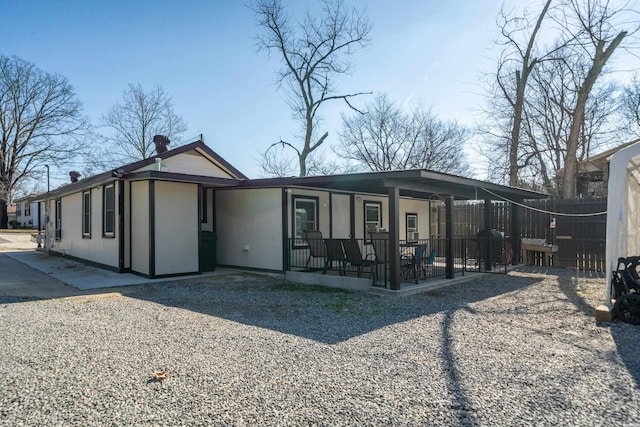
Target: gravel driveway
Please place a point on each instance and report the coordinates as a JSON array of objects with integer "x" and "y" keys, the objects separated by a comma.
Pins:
[{"x": 521, "y": 349}]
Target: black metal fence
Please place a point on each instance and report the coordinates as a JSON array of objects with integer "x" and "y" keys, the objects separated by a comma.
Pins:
[{"x": 419, "y": 259}]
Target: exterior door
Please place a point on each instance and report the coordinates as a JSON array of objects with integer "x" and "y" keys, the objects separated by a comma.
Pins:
[{"x": 208, "y": 238}]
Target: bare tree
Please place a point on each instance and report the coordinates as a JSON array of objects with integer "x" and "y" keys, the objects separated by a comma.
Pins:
[
  {"x": 135, "y": 121},
  {"x": 41, "y": 123},
  {"x": 548, "y": 118},
  {"x": 315, "y": 52},
  {"x": 630, "y": 107},
  {"x": 517, "y": 61},
  {"x": 387, "y": 138},
  {"x": 596, "y": 27}
]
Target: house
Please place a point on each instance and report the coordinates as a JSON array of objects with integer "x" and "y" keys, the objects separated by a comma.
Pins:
[
  {"x": 11, "y": 214},
  {"x": 27, "y": 211},
  {"x": 187, "y": 211},
  {"x": 592, "y": 176}
]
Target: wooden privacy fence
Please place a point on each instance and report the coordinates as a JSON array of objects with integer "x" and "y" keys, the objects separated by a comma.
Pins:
[{"x": 580, "y": 239}]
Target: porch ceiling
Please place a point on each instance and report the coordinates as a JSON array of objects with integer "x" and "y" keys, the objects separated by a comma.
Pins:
[{"x": 418, "y": 183}]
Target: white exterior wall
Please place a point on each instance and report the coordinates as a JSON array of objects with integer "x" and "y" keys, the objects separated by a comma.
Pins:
[
  {"x": 176, "y": 228},
  {"x": 191, "y": 163},
  {"x": 140, "y": 227},
  {"x": 95, "y": 248},
  {"x": 419, "y": 207},
  {"x": 249, "y": 228}
]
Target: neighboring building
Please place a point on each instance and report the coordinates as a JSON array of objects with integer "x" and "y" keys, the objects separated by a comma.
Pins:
[
  {"x": 27, "y": 211},
  {"x": 592, "y": 179},
  {"x": 188, "y": 210},
  {"x": 11, "y": 214}
]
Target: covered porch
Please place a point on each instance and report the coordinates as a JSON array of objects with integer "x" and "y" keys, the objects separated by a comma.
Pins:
[{"x": 456, "y": 255}]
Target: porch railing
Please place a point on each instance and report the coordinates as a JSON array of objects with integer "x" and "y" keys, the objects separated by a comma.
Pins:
[{"x": 469, "y": 255}]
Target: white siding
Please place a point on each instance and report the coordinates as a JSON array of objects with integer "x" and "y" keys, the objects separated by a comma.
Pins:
[
  {"x": 176, "y": 227},
  {"x": 140, "y": 227},
  {"x": 191, "y": 163},
  {"x": 249, "y": 228},
  {"x": 419, "y": 207},
  {"x": 341, "y": 213},
  {"x": 96, "y": 248}
]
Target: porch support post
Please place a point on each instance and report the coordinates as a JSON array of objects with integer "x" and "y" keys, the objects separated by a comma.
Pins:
[
  {"x": 152, "y": 229},
  {"x": 488, "y": 220},
  {"x": 448, "y": 204},
  {"x": 516, "y": 233},
  {"x": 285, "y": 230},
  {"x": 394, "y": 235},
  {"x": 120, "y": 225}
]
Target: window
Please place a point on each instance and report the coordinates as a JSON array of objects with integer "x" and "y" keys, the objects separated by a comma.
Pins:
[
  {"x": 372, "y": 217},
  {"x": 58, "y": 231},
  {"x": 86, "y": 214},
  {"x": 109, "y": 211},
  {"x": 27, "y": 209},
  {"x": 305, "y": 217},
  {"x": 411, "y": 222}
]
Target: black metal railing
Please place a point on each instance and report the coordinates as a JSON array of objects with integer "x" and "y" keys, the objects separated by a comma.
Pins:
[{"x": 421, "y": 259}]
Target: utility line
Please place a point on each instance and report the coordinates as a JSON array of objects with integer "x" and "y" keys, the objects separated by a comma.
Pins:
[{"x": 544, "y": 211}]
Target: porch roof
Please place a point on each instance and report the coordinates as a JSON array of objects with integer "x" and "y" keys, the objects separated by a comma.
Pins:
[{"x": 418, "y": 183}]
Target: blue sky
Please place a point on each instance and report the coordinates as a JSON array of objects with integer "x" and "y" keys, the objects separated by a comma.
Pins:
[{"x": 204, "y": 55}]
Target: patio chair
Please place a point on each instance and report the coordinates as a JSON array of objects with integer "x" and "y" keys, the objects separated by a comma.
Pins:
[
  {"x": 335, "y": 254},
  {"x": 413, "y": 264},
  {"x": 355, "y": 259},
  {"x": 380, "y": 242},
  {"x": 317, "y": 248}
]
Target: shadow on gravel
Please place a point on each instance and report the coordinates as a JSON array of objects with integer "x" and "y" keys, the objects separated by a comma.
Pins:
[
  {"x": 317, "y": 313},
  {"x": 627, "y": 338}
]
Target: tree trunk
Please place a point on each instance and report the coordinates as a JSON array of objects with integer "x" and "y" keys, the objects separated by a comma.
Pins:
[
  {"x": 4, "y": 218},
  {"x": 602, "y": 55},
  {"x": 521, "y": 82}
]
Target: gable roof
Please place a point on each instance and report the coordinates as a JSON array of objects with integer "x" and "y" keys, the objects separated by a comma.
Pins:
[{"x": 111, "y": 175}]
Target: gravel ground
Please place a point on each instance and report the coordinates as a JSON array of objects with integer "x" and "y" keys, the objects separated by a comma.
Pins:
[{"x": 522, "y": 349}]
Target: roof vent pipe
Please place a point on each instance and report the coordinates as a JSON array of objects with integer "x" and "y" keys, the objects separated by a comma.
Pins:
[
  {"x": 158, "y": 164},
  {"x": 74, "y": 175},
  {"x": 161, "y": 142}
]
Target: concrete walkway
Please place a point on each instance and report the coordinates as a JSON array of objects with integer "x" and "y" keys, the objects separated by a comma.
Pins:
[
  {"x": 27, "y": 272},
  {"x": 20, "y": 280},
  {"x": 85, "y": 277}
]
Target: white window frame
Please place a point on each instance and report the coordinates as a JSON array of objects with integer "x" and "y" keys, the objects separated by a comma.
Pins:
[
  {"x": 297, "y": 232},
  {"x": 372, "y": 225},
  {"x": 86, "y": 214},
  {"x": 106, "y": 232}
]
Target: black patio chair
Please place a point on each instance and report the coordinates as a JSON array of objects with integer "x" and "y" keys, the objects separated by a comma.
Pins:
[
  {"x": 335, "y": 254},
  {"x": 354, "y": 258},
  {"x": 380, "y": 242},
  {"x": 413, "y": 264},
  {"x": 317, "y": 248}
]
